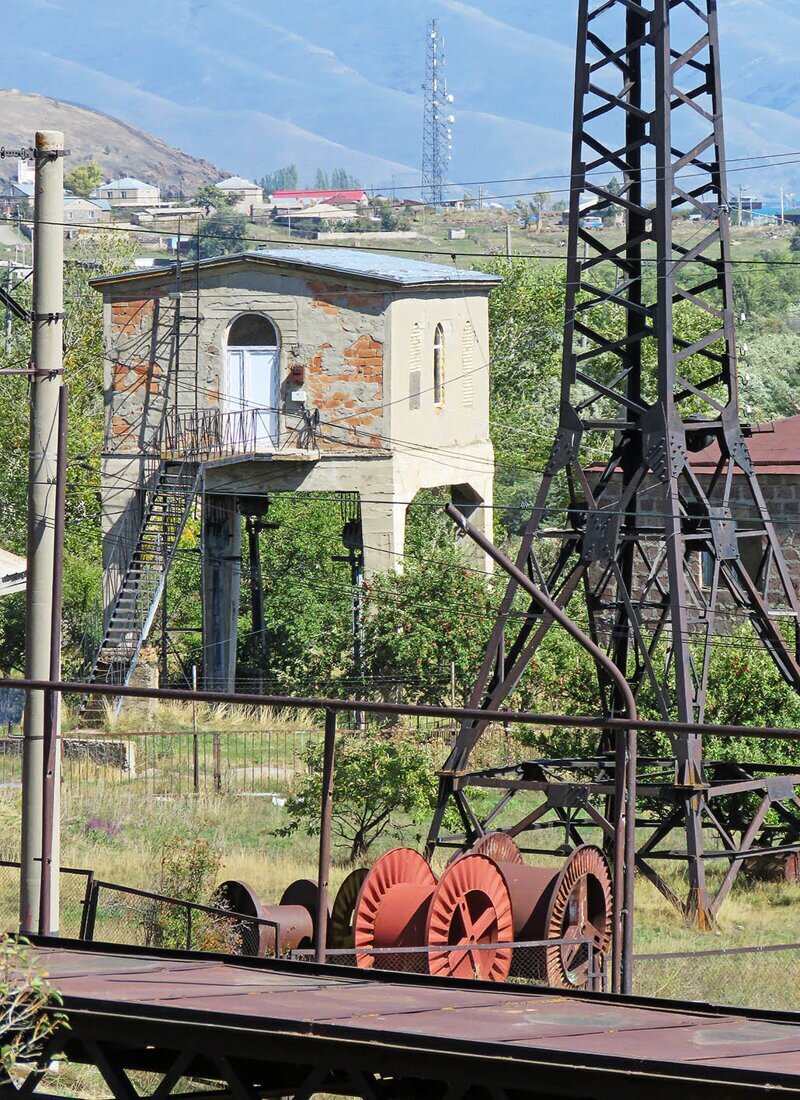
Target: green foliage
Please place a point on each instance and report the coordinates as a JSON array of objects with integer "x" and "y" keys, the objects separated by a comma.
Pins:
[
  {"x": 27, "y": 1005},
  {"x": 341, "y": 180},
  {"x": 209, "y": 196},
  {"x": 770, "y": 373},
  {"x": 282, "y": 179},
  {"x": 379, "y": 783},
  {"x": 189, "y": 870},
  {"x": 321, "y": 181},
  {"x": 84, "y": 179},
  {"x": 436, "y": 612},
  {"x": 83, "y": 369},
  {"x": 222, "y": 234}
]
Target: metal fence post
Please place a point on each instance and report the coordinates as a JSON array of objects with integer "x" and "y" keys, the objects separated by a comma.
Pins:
[{"x": 329, "y": 754}]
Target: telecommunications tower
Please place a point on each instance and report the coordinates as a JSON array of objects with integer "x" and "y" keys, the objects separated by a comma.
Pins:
[{"x": 437, "y": 133}]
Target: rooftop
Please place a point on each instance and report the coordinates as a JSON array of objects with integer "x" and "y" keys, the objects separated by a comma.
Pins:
[
  {"x": 128, "y": 183},
  {"x": 346, "y": 195},
  {"x": 774, "y": 449},
  {"x": 396, "y": 271},
  {"x": 234, "y": 182}
]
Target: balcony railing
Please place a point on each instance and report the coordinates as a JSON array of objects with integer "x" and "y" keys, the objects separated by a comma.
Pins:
[{"x": 211, "y": 433}]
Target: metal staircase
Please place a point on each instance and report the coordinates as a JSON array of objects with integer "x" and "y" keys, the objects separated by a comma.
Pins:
[{"x": 168, "y": 504}]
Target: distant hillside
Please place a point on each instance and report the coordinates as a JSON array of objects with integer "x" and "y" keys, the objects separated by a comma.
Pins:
[{"x": 118, "y": 148}]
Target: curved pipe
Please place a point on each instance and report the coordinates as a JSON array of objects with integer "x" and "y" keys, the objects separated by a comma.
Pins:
[{"x": 625, "y": 762}]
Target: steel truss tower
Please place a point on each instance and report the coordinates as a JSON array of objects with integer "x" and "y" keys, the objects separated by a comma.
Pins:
[
  {"x": 656, "y": 557},
  {"x": 437, "y": 121}
]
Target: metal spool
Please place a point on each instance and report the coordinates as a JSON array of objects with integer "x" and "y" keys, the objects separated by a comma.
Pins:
[
  {"x": 482, "y": 900},
  {"x": 304, "y": 892},
  {"x": 392, "y": 909},
  {"x": 580, "y": 907},
  {"x": 241, "y": 898},
  {"x": 471, "y": 905},
  {"x": 499, "y": 846},
  {"x": 340, "y": 925},
  {"x": 294, "y": 921}
]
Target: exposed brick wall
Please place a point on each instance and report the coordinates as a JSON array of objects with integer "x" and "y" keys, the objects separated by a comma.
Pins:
[
  {"x": 135, "y": 375},
  {"x": 347, "y": 388},
  {"x": 130, "y": 316}
]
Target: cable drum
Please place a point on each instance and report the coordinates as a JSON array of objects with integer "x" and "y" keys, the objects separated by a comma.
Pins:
[{"x": 392, "y": 910}]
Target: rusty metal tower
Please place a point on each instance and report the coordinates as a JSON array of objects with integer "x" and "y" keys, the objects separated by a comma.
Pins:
[{"x": 657, "y": 558}]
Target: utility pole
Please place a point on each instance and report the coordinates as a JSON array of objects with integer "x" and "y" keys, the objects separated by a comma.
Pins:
[
  {"x": 741, "y": 204},
  {"x": 508, "y": 241},
  {"x": 46, "y": 383}
]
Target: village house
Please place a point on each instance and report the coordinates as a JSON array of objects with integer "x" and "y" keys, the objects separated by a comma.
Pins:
[
  {"x": 354, "y": 199},
  {"x": 127, "y": 192},
  {"x": 289, "y": 370},
  {"x": 248, "y": 196}
]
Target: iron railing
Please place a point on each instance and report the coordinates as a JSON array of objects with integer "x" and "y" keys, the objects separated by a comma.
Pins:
[{"x": 212, "y": 433}]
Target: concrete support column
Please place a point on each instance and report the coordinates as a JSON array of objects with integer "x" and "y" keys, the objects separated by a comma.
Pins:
[
  {"x": 383, "y": 524},
  {"x": 475, "y": 502},
  {"x": 222, "y": 567}
]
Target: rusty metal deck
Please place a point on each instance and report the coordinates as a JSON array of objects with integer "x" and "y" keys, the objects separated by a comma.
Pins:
[{"x": 274, "y": 1023}]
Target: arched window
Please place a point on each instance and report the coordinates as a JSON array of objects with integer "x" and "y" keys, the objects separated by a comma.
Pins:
[
  {"x": 252, "y": 330},
  {"x": 438, "y": 366}
]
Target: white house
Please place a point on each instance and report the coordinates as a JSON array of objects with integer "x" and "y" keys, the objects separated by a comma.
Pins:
[
  {"x": 248, "y": 194},
  {"x": 128, "y": 191}
]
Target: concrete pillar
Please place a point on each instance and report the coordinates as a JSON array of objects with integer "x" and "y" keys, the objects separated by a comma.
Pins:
[
  {"x": 476, "y": 504},
  {"x": 222, "y": 567},
  {"x": 383, "y": 524}
]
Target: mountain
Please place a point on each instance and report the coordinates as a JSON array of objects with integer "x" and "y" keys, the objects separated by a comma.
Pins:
[
  {"x": 256, "y": 84},
  {"x": 118, "y": 147}
]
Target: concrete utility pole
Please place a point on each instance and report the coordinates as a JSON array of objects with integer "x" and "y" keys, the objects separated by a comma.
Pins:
[
  {"x": 46, "y": 382},
  {"x": 508, "y": 241}
]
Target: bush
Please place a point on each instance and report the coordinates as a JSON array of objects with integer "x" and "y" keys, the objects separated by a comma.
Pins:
[
  {"x": 376, "y": 779},
  {"x": 27, "y": 1018},
  {"x": 189, "y": 870}
]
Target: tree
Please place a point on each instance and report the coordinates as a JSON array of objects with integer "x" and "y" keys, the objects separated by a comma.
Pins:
[
  {"x": 342, "y": 181},
  {"x": 282, "y": 179},
  {"x": 378, "y": 782},
  {"x": 795, "y": 245},
  {"x": 526, "y": 212},
  {"x": 222, "y": 234},
  {"x": 321, "y": 182},
  {"x": 210, "y": 198},
  {"x": 84, "y": 179},
  {"x": 540, "y": 201}
]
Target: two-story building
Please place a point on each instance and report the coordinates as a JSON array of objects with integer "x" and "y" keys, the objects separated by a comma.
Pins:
[
  {"x": 290, "y": 370},
  {"x": 128, "y": 192}
]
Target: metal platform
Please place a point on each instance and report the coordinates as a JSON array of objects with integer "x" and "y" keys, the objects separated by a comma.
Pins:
[{"x": 262, "y": 1028}]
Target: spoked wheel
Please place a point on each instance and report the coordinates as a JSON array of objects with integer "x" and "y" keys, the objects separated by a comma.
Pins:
[
  {"x": 580, "y": 909},
  {"x": 471, "y": 907}
]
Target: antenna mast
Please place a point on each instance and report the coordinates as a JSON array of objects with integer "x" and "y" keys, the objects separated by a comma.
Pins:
[{"x": 437, "y": 133}]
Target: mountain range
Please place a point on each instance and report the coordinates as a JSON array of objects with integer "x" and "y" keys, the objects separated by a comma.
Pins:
[{"x": 256, "y": 84}]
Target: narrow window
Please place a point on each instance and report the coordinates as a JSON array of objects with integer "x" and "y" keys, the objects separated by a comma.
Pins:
[{"x": 438, "y": 366}]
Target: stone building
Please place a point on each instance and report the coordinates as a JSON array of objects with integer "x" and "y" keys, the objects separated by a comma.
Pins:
[{"x": 310, "y": 370}]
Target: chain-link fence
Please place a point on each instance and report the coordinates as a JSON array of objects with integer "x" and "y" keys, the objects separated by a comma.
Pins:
[
  {"x": 74, "y": 886},
  {"x": 763, "y": 976},
  {"x": 564, "y": 963}
]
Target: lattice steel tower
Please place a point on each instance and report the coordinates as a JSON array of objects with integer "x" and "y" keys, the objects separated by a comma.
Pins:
[
  {"x": 438, "y": 120},
  {"x": 659, "y": 558}
]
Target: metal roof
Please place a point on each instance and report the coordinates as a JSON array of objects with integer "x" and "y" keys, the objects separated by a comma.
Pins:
[
  {"x": 13, "y": 573},
  {"x": 395, "y": 271},
  {"x": 127, "y": 182},
  {"x": 774, "y": 449},
  {"x": 232, "y": 182}
]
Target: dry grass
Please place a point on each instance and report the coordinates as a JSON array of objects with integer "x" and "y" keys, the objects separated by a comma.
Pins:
[{"x": 244, "y": 829}]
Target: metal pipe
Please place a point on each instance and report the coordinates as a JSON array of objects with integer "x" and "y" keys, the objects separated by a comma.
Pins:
[
  {"x": 304, "y": 702},
  {"x": 52, "y": 706},
  {"x": 624, "y": 768},
  {"x": 326, "y": 819}
]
